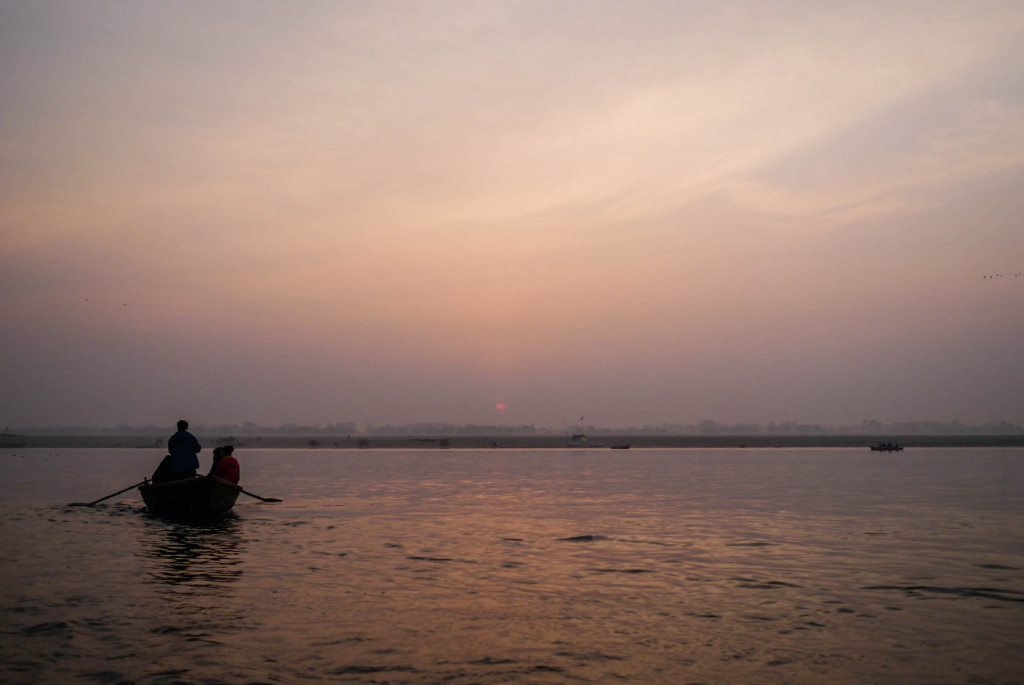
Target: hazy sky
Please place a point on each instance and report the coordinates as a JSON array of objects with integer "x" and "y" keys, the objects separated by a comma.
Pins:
[{"x": 636, "y": 212}]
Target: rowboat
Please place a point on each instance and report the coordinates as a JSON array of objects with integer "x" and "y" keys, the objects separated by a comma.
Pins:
[{"x": 191, "y": 498}]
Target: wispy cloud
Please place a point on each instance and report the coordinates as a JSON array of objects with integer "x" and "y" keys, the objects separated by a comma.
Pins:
[{"x": 664, "y": 191}]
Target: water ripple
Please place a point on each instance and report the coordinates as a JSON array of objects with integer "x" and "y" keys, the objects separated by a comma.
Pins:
[{"x": 987, "y": 593}]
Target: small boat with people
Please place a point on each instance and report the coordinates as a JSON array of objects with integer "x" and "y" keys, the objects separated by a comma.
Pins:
[
  {"x": 887, "y": 447},
  {"x": 176, "y": 491},
  {"x": 190, "y": 498}
]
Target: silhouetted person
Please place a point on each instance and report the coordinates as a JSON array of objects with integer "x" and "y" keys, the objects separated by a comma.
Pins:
[
  {"x": 163, "y": 471},
  {"x": 218, "y": 454},
  {"x": 181, "y": 460},
  {"x": 227, "y": 467}
]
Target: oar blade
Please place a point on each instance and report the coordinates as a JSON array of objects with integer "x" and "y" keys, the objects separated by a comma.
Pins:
[{"x": 262, "y": 499}]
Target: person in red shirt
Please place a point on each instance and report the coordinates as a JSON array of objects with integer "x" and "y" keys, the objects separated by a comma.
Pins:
[{"x": 227, "y": 468}]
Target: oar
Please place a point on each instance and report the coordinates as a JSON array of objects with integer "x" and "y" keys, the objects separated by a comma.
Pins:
[
  {"x": 262, "y": 499},
  {"x": 89, "y": 504}
]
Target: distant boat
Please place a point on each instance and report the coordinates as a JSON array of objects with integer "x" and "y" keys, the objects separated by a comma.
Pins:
[
  {"x": 620, "y": 447},
  {"x": 580, "y": 440},
  {"x": 10, "y": 440},
  {"x": 191, "y": 498},
  {"x": 887, "y": 447}
]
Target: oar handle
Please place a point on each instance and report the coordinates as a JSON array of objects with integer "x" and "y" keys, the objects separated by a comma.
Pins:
[{"x": 113, "y": 494}]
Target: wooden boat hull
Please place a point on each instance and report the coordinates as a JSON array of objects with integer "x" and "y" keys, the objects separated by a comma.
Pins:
[{"x": 191, "y": 498}]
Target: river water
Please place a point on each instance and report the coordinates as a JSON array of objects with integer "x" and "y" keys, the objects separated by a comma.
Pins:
[{"x": 533, "y": 566}]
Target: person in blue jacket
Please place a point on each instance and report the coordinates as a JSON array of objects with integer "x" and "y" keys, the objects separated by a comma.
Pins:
[{"x": 181, "y": 460}]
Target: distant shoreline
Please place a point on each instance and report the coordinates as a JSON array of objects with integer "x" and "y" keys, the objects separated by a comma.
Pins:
[{"x": 524, "y": 442}]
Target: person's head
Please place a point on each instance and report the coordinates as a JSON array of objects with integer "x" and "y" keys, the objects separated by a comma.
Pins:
[
  {"x": 183, "y": 425},
  {"x": 218, "y": 453},
  {"x": 228, "y": 450}
]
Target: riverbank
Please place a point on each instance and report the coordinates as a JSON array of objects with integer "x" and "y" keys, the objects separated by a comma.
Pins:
[{"x": 528, "y": 442}]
